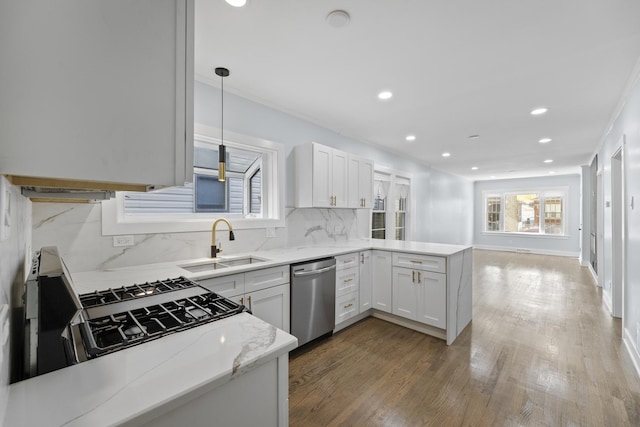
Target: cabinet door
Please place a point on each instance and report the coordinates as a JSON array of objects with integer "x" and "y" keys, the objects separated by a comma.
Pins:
[
  {"x": 365, "y": 281},
  {"x": 432, "y": 299},
  {"x": 405, "y": 293},
  {"x": 322, "y": 158},
  {"x": 381, "y": 282},
  {"x": 271, "y": 305},
  {"x": 103, "y": 87},
  {"x": 365, "y": 183},
  {"x": 340, "y": 178}
]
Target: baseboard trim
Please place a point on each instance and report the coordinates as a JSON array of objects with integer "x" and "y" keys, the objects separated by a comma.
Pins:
[
  {"x": 594, "y": 275},
  {"x": 631, "y": 350},
  {"x": 528, "y": 251}
]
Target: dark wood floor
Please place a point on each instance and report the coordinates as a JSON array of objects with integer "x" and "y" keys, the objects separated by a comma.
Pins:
[{"x": 541, "y": 351}]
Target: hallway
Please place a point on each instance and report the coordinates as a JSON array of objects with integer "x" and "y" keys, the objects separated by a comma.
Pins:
[{"x": 541, "y": 351}]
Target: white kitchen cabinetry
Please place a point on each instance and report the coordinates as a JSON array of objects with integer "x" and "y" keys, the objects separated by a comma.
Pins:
[
  {"x": 420, "y": 292},
  {"x": 266, "y": 292},
  {"x": 366, "y": 284},
  {"x": 98, "y": 90},
  {"x": 347, "y": 286},
  {"x": 360, "y": 182},
  {"x": 381, "y": 281},
  {"x": 321, "y": 176}
]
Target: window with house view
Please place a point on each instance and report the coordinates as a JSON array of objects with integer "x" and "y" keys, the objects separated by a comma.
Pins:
[
  {"x": 528, "y": 212},
  {"x": 239, "y": 194}
]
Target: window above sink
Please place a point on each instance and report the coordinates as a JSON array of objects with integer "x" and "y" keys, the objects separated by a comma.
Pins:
[{"x": 260, "y": 179}]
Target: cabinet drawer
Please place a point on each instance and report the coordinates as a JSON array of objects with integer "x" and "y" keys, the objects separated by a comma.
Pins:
[
  {"x": 420, "y": 262},
  {"x": 347, "y": 281},
  {"x": 227, "y": 286},
  {"x": 347, "y": 261},
  {"x": 265, "y": 278},
  {"x": 346, "y": 307}
]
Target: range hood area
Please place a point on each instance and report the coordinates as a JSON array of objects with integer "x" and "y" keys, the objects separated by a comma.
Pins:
[{"x": 40, "y": 189}]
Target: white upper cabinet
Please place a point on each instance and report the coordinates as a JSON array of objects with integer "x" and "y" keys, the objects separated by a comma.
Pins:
[
  {"x": 321, "y": 176},
  {"x": 360, "y": 182},
  {"x": 98, "y": 90}
]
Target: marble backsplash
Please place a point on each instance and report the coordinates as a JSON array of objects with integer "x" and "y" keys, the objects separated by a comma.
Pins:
[
  {"x": 76, "y": 229},
  {"x": 14, "y": 261}
]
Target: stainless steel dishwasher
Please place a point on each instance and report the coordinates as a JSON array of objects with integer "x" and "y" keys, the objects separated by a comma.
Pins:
[{"x": 313, "y": 299}]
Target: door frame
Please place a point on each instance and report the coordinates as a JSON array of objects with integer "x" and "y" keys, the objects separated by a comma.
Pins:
[{"x": 618, "y": 253}]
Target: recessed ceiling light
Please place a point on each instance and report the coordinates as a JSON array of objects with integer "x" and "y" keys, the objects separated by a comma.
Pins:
[
  {"x": 385, "y": 95},
  {"x": 446, "y": 154},
  {"x": 492, "y": 177},
  {"x": 410, "y": 138},
  {"x": 474, "y": 168},
  {"x": 539, "y": 111},
  {"x": 474, "y": 136},
  {"x": 548, "y": 161},
  {"x": 544, "y": 140},
  {"x": 337, "y": 18},
  {"x": 237, "y": 3},
  {"x": 552, "y": 172}
]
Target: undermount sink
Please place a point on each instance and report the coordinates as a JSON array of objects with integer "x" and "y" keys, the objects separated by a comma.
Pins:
[
  {"x": 232, "y": 262},
  {"x": 220, "y": 263}
]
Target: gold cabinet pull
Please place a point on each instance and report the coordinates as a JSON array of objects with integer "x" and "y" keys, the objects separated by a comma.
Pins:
[
  {"x": 249, "y": 298},
  {"x": 415, "y": 261},
  {"x": 413, "y": 277},
  {"x": 348, "y": 305},
  {"x": 362, "y": 258},
  {"x": 348, "y": 280},
  {"x": 419, "y": 278}
]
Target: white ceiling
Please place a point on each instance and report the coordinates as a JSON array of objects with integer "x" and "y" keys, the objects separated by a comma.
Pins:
[{"x": 456, "y": 68}]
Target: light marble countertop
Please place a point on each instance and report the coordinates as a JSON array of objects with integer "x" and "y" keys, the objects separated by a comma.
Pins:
[
  {"x": 127, "y": 384},
  {"x": 130, "y": 384},
  {"x": 91, "y": 280}
]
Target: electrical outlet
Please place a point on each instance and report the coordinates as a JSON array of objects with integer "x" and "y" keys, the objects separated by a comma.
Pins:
[
  {"x": 271, "y": 232},
  {"x": 121, "y": 241}
]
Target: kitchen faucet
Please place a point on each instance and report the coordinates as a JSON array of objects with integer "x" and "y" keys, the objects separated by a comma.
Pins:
[{"x": 215, "y": 250}]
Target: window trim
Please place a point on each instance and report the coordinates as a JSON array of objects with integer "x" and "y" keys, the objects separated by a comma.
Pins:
[
  {"x": 536, "y": 190},
  {"x": 390, "y": 210},
  {"x": 114, "y": 221}
]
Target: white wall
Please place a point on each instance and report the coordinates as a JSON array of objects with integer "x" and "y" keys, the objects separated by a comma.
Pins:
[
  {"x": 76, "y": 229},
  {"x": 14, "y": 252},
  {"x": 431, "y": 187},
  {"x": 567, "y": 245},
  {"x": 627, "y": 123}
]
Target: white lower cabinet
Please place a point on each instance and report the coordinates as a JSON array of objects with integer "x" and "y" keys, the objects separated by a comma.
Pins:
[
  {"x": 365, "y": 281},
  {"x": 270, "y": 305},
  {"x": 432, "y": 299},
  {"x": 420, "y": 295},
  {"x": 265, "y": 292},
  {"x": 405, "y": 293},
  {"x": 381, "y": 280},
  {"x": 347, "y": 286}
]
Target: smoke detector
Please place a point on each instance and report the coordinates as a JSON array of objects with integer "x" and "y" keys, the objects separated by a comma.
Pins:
[{"x": 338, "y": 18}]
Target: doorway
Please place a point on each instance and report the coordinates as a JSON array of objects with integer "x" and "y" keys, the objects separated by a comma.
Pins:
[{"x": 617, "y": 232}]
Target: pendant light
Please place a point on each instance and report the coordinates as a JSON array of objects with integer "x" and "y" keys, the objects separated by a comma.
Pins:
[{"x": 222, "y": 151}]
